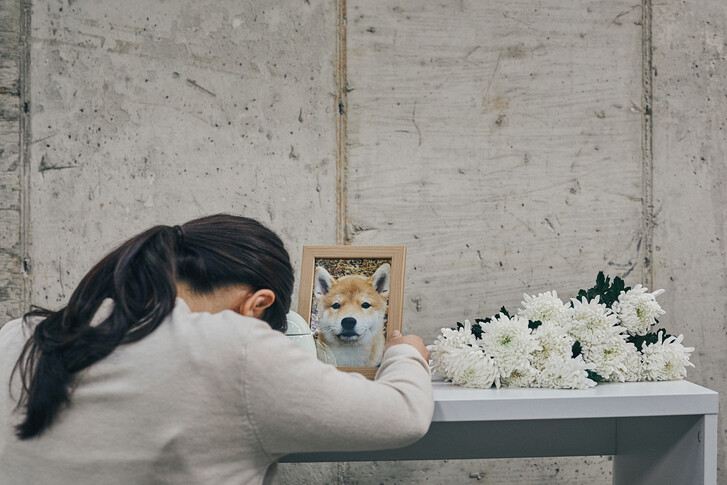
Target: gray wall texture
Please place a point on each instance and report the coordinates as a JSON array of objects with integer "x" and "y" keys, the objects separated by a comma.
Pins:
[{"x": 511, "y": 146}]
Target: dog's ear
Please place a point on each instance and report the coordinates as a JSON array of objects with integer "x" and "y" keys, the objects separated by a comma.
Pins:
[
  {"x": 322, "y": 282},
  {"x": 381, "y": 279}
]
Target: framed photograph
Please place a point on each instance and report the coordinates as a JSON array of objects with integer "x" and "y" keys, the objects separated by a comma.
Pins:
[{"x": 352, "y": 297}]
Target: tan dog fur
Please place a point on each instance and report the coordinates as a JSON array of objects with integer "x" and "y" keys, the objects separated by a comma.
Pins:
[{"x": 347, "y": 297}]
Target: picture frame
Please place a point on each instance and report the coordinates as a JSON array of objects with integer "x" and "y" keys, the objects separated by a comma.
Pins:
[{"x": 342, "y": 302}]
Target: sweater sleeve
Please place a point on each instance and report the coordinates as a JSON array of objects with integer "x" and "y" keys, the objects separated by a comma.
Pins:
[{"x": 297, "y": 403}]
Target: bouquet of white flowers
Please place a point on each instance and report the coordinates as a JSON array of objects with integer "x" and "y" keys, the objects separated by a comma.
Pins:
[{"x": 605, "y": 334}]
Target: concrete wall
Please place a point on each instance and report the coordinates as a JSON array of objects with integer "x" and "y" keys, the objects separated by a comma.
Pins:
[
  {"x": 690, "y": 184},
  {"x": 153, "y": 113},
  {"x": 12, "y": 229},
  {"x": 511, "y": 146}
]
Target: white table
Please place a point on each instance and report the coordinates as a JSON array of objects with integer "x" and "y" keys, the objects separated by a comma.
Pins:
[{"x": 659, "y": 432}]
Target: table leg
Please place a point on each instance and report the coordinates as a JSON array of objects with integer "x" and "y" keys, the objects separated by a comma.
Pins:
[{"x": 666, "y": 450}]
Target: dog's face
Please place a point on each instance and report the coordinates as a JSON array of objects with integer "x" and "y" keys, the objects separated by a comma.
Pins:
[{"x": 351, "y": 309}]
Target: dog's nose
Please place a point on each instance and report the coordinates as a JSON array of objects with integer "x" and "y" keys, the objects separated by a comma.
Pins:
[{"x": 348, "y": 323}]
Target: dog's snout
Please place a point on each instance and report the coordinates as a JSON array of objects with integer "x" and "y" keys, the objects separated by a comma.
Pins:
[{"x": 348, "y": 323}]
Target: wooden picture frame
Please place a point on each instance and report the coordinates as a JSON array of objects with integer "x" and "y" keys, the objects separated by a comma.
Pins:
[{"x": 324, "y": 307}]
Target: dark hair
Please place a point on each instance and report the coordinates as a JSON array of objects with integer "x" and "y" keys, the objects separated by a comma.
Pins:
[{"x": 140, "y": 276}]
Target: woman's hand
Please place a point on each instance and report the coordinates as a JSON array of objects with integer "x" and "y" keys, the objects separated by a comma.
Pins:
[{"x": 415, "y": 341}]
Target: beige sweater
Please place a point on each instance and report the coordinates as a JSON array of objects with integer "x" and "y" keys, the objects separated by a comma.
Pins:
[{"x": 209, "y": 399}]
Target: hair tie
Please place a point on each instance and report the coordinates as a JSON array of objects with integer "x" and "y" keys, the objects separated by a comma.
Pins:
[{"x": 179, "y": 232}]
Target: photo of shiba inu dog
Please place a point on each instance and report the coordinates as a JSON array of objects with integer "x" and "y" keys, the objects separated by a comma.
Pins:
[{"x": 351, "y": 311}]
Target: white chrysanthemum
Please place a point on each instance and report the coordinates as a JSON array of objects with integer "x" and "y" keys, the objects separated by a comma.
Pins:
[
  {"x": 591, "y": 322},
  {"x": 666, "y": 360},
  {"x": 611, "y": 357},
  {"x": 546, "y": 308},
  {"x": 510, "y": 342},
  {"x": 451, "y": 339},
  {"x": 637, "y": 309},
  {"x": 438, "y": 355},
  {"x": 522, "y": 378},
  {"x": 553, "y": 340},
  {"x": 468, "y": 367},
  {"x": 457, "y": 337},
  {"x": 559, "y": 373},
  {"x": 634, "y": 364}
]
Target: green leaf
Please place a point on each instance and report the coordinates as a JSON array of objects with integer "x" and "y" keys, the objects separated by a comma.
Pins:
[
  {"x": 505, "y": 312},
  {"x": 534, "y": 324},
  {"x": 606, "y": 291},
  {"x": 640, "y": 341},
  {"x": 594, "y": 376},
  {"x": 618, "y": 285},
  {"x": 475, "y": 329},
  {"x": 576, "y": 350}
]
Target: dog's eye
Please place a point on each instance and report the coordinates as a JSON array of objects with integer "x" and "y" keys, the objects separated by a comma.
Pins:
[
  {"x": 336, "y": 306},
  {"x": 365, "y": 305}
]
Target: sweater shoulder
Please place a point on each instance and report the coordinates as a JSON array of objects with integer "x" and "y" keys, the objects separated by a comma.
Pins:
[
  {"x": 12, "y": 334},
  {"x": 222, "y": 325},
  {"x": 224, "y": 334}
]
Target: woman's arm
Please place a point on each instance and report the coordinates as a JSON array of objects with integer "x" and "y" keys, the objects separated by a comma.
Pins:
[{"x": 297, "y": 403}]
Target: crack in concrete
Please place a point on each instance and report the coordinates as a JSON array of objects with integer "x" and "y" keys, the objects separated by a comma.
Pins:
[
  {"x": 26, "y": 137},
  {"x": 414, "y": 122},
  {"x": 647, "y": 154},
  {"x": 342, "y": 234},
  {"x": 194, "y": 84}
]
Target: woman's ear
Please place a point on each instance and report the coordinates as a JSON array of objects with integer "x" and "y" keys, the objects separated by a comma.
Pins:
[{"x": 254, "y": 304}]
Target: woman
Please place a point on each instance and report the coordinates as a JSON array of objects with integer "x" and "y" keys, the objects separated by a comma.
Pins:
[{"x": 166, "y": 367}]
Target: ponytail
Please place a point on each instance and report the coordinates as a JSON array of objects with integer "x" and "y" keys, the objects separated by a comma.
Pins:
[{"x": 140, "y": 277}]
